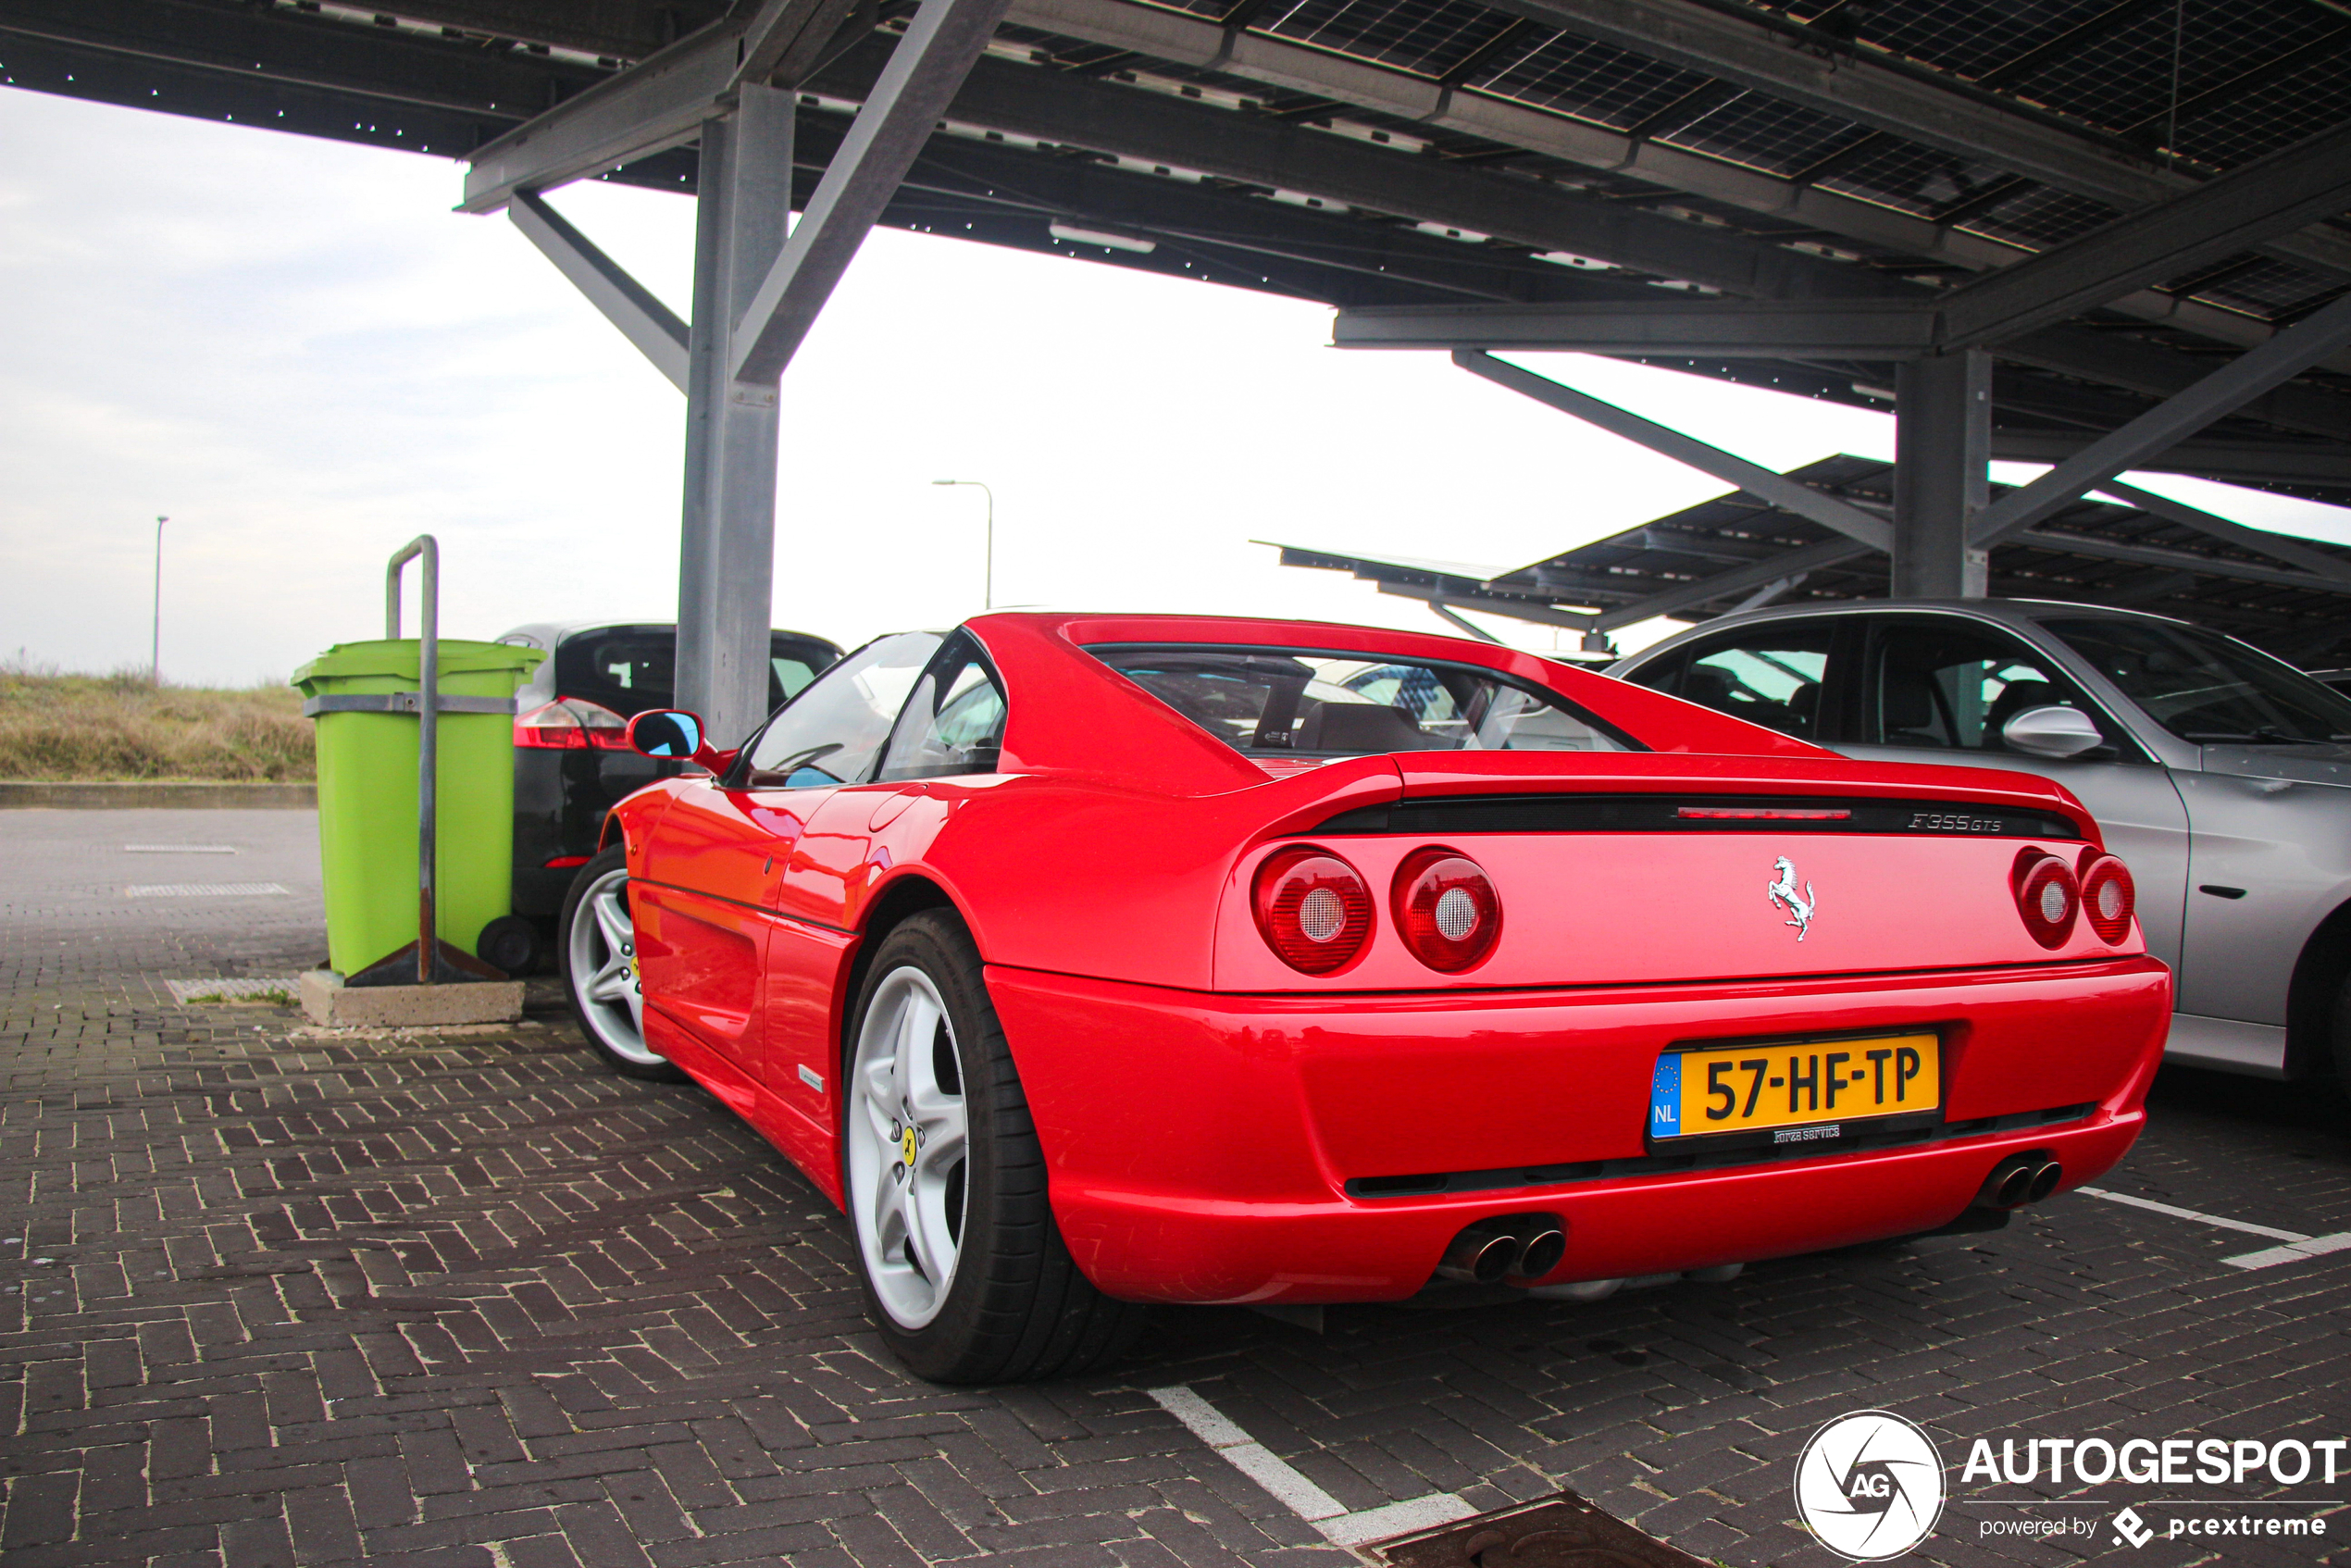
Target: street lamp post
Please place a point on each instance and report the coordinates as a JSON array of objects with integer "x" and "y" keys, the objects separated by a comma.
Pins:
[
  {"x": 155, "y": 677},
  {"x": 988, "y": 596}
]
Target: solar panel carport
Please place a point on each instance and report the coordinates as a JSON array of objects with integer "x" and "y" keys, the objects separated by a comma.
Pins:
[
  {"x": 1736, "y": 552},
  {"x": 2105, "y": 233}
]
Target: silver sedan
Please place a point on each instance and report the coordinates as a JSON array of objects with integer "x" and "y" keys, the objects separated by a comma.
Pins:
[{"x": 2221, "y": 774}]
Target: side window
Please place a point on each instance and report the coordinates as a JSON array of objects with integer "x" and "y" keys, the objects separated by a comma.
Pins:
[
  {"x": 1953, "y": 688},
  {"x": 793, "y": 663},
  {"x": 1660, "y": 675},
  {"x": 1769, "y": 675},
  {"x": 830, "y": 732},
  {"x": 953, "y": 723}
]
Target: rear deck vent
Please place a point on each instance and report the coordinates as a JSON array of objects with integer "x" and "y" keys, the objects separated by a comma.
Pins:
[{"x": 1684, "y": 814}]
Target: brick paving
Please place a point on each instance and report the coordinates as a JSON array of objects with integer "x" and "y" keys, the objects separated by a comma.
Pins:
[{"x": 287, "y": 1298}]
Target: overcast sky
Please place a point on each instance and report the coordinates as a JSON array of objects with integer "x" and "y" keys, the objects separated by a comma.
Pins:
[{"x": 298, "y": 352}]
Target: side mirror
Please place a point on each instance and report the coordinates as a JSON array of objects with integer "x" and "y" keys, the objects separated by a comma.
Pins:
[
  {"x": 667, "y": 732},
  {"x": 2052, "y": 731}
]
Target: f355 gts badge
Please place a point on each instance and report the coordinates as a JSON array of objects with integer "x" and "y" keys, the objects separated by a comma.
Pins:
[{"x": 1799, "y": 906}]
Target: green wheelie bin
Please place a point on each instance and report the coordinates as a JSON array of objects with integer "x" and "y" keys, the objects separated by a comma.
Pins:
[{"x": 363, "y": 696}]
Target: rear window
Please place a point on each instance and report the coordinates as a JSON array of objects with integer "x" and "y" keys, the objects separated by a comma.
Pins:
[
  {"x": 1300, "y": 702},
  {"x": 632, "y": 669}
]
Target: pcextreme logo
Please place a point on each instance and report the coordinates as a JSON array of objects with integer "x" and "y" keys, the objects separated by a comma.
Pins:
[{"x": 1870, "y": 1484}]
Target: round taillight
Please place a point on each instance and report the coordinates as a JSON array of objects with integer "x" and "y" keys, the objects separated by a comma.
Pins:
[
  {"x": 2047, "y": 896},
  {"x": 2108, "y": 898},
  {"x": 1314, "y": 910},
  {"x": 1446, "y": 910}
]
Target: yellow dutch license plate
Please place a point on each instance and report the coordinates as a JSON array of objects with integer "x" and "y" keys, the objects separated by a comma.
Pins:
[{"x": 1796, "y": 1090}]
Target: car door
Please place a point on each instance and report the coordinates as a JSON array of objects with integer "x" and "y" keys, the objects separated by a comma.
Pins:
[
  {"x": 2270, "y": 816},
  {"x": 952, "y": 723},
  {"x": 1929, "y": 688},
  {"x": 824, "y": 741},
  {"x": 702, "y": 926},
  {"x": 710, "y": 918}
]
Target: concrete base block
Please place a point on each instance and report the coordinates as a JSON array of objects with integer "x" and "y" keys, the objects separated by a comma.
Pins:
[{"x": 329, "y": 1001}]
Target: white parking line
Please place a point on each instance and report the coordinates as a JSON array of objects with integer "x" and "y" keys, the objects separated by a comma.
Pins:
[
  {"x": 2179, "y": 1214},
  {"x": 1301, "y": 1495},
  {"x": 2297, "y": 1246},
  {"x": 180, "y": 849},
  {"x": 203, "y": 889},
  {"x": 2292, "y": 1251}
]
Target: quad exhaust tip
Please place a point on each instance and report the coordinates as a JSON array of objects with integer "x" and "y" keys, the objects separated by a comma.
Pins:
[
  {"x": 2019, "y": 1179},
  {"x": 1505, "y": 1247}
]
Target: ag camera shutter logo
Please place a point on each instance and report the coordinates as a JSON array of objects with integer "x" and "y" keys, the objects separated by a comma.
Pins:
[{"x": 1870, "y": 1484}]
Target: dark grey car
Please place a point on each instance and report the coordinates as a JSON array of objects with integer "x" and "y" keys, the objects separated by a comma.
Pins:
[
  {"x": 2221, "y": 774},
  {"x": 572, "y": 762}
]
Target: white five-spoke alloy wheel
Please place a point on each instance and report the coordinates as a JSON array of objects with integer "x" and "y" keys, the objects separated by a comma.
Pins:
[
  {"x": 600, "y": 968},
  {"x": 907, "y": 1136}
]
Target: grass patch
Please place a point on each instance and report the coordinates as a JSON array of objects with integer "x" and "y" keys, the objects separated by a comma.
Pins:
[
  {"x": 111, "y": 727},
  {"x": 255, "y": 999}
]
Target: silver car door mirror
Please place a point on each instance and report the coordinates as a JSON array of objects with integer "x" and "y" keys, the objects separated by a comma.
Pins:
[{"x": 2052, "y": 731}]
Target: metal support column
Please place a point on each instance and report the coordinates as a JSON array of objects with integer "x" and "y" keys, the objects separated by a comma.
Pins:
[
  {"x": 726, "y": 579},
  {"x": 1942, "y": 443}
]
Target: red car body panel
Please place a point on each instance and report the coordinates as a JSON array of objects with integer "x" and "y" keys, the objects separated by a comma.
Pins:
[
  {"x": 1204, "y": 1159},
  {"x": 1203, "y": 1106}
]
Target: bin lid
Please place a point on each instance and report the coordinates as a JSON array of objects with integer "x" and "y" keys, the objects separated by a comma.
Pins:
[{"x": 397, "y": 657}]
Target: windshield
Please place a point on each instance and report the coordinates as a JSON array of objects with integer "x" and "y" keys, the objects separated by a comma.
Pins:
[
  {"x": 1278, "y": 701},
  {"x": 2208, "y": 688}
]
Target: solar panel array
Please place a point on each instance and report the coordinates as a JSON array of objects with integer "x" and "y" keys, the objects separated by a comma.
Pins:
[
  {"x": 2298, "y": 620},
  {"x": 2196, "y": 85}
]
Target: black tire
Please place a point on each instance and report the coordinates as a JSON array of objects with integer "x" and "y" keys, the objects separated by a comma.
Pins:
[
  {"x": 1016, "y": 1308},
  {"x": 608, "y": 1026},
  {"x": 2341, "y": 1055}
]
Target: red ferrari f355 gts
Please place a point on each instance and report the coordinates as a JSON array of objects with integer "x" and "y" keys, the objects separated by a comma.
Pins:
[{"x": 1092, "y": 961}]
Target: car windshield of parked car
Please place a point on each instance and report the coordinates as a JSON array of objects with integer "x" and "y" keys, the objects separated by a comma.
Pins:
[
  {"x": 1281, "y": 701},
  {"x": 830, "y": 732},
  {"x": 2207, "y": 688}
]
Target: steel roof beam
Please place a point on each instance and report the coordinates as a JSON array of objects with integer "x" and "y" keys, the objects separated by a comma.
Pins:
[
  {"x": 1186, "y": 39},
  {"x": 659, "y": 104},
  {"x": 2277, "y": 547},
  {"x": 1381, "y": 255},
  {"x": 2275, "y": 194},
  {"x": 1777, "y": 488},
  {"x": 925, "y": 68},
  {"x": 2235, "y": 461},
  {"x": 1157, "y": 128},
  {"x": 1909, "y": 102},
  {"x": 627, "y": 29},
  {"x": 2104, "y": 549},
  {"x": 301, "y": 50},
  {"x": 2142, "y": 368},
  {"x": 2164, "y": 426},
  {"x": 659, "y": 335},
  {"x": 1890, "y": 328},
  {"x": 785, "y": 40},
  {"x": 1874, "y": 329},
  {"x": 1739, "y": 579},
  {"x": 1438, "y": 599}
]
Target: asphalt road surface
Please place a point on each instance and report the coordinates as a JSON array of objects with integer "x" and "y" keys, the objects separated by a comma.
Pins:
[{"x": 274, "y": 1296}]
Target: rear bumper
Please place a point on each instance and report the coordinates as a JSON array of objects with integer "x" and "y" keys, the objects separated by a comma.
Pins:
[{"x": 1201, "y": 1146}]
